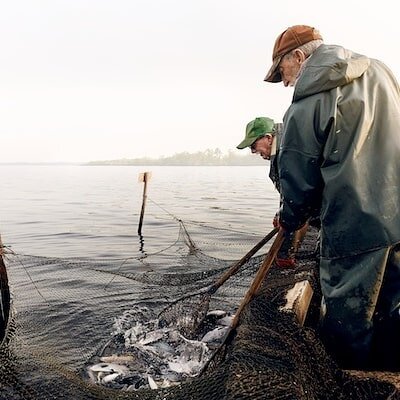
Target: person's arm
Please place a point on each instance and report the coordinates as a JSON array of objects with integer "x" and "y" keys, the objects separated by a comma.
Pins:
[
  {"x": 301, "y": 188},
  {"x": 299, "y": 163}
]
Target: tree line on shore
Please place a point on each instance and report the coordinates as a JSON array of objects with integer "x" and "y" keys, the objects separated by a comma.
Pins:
[{"x": 207, "y": 157}]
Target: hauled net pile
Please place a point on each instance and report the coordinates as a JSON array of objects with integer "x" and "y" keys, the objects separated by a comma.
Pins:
[{"x": 90, "y": 329}]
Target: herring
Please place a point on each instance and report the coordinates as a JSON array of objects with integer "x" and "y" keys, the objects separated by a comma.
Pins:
[
  {"x": 215, "y": 335},
  {"x": 151, "y": 337},
  {"x": 152, "y": 383},
  {"x": 216, "y": 313},
  {"x": 226, "y": 321},
  {"x": 109, "y": 378},
  {"x": 99, "y": 372},
  {"x": 152, "y": 356}
]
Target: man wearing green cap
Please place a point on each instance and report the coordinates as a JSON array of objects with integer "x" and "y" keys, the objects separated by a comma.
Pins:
[
  {"x": 340, "y": 153},
  {"x": 262, "y": 136},
  {"x": 259, "y": 132}
]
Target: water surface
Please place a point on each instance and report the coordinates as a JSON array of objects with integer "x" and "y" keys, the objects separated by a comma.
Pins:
[{"x": 78, "y": 211}]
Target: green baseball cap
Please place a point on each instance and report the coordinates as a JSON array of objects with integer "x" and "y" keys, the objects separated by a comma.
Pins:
[{"x": 255, "y": 130}]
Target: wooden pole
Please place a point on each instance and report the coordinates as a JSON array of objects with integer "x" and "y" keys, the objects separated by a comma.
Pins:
[{"x": 143, "y": 177}]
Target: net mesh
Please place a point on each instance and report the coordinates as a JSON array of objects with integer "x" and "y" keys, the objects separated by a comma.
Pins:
[{"x": 68, "y": 313}]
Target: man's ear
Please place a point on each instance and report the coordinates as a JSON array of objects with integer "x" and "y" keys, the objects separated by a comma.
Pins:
[{"x": 299, "y": 56}]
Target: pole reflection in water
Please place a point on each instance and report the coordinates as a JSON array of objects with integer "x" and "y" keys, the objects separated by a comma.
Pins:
[{"x": 141, "y": 247}]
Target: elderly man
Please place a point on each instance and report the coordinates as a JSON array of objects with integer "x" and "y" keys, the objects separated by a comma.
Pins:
[{"x": 340, "y": 154}]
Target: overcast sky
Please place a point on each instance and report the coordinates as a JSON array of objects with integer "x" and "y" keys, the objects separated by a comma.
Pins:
[{"x": 84, "y": 80}]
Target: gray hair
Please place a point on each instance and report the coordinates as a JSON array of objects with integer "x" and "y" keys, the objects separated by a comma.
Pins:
[
  {"x": 307, "y": 48},
  {"x": 278, "y": 128}
]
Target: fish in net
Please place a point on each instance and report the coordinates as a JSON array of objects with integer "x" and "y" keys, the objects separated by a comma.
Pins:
[
  {"x": 73, "y": 320},
  {"x": 188, "y": 312}
]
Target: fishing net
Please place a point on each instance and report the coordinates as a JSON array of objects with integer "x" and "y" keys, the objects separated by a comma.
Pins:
[{"x": 83, "y": 328}]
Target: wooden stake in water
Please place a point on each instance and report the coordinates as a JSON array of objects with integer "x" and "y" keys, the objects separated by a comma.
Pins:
[{"x": 143, "y": 177}]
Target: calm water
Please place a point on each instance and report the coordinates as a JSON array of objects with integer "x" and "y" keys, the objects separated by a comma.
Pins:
[
  {"x": 80, "y": 264},
  {"x": 81, "y": 211}
]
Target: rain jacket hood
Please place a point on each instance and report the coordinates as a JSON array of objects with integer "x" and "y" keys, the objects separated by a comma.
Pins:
[
  {"x": 339, "y": 153},
  {"x": 329, "y": 67}
]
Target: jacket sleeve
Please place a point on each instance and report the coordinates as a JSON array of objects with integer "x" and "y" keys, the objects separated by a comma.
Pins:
[{"x": 299, "y": 162}]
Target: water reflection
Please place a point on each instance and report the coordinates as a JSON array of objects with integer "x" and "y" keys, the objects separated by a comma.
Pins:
[{"x": 141, "y": 245}]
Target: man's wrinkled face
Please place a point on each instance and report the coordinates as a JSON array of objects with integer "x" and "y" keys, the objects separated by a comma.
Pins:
[
  {"x": 263, "y": 147},
  {"x": 289, "y": 68}
]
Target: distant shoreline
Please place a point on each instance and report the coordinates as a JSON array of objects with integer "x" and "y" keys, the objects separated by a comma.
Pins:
[
  {"x": 202, "y": 158},
  {"x": 31, "y": 163},
  {"x": 105, "y": 164},
  {"x": 211, "y": 157}
]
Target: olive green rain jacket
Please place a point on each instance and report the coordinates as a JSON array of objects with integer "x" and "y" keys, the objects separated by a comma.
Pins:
[{"x": 340, "y": 152}]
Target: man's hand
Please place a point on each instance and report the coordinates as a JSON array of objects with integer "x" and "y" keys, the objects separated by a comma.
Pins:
[
  {"x": 286, "y": 256},
  {"x": 277, "y": 224},
  {"x": 289, "y": 262},
  {"x": 275, "y": 221}
]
